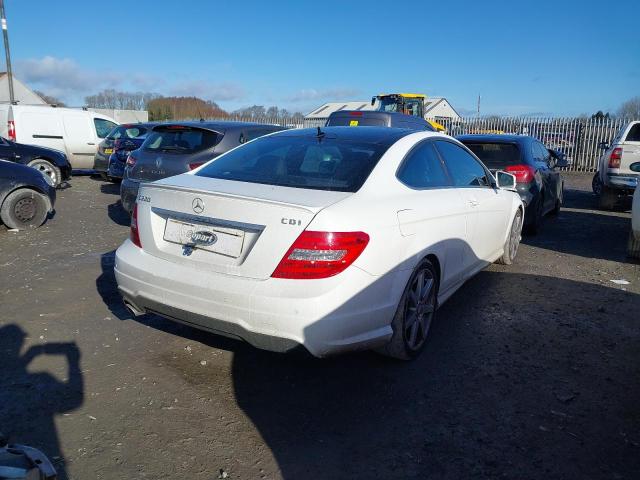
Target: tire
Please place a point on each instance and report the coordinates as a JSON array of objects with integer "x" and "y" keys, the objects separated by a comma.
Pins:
[
  {"x": 535, "y": 226},
  {"x": 49, "y": 170},
  {"x": 633, "y": 246},
  {"x": 596, "y": 184},
  {"x": 408, "y": 339},
  {"x": 513, "y": 240},
  {"x": 24, "y": 208},
  {"x": 104, "y": 176},
  {"x": 608, "y": 198}
]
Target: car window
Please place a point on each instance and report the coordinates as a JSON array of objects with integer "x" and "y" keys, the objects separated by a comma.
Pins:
[
  {"x": 253, "y": 133},
  {"x": 536, "y": 152},
  {"x": 103, "y": 127},
  {"x": 496, "y": 155},
  {"x": 299, "y": 162},
  {"x": 179, "y": 139},
  {"x": 544, "y": 153},
  {"x": 127, "y": 132},
  {"x": 464, "y": 169},
  {"x": 422, "y": 168},
  {"x": 634, "y": 134}
]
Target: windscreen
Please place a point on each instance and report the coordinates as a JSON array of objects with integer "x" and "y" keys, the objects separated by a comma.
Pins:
[
  {"x": 311, "y": 162},
  {"x": 180, "y": 140},
  {"x": 123, "y": 132},
  {"x": 496, "y": 155}
]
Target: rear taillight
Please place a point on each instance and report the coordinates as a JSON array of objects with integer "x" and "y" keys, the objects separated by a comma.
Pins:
[
  {"x": 131, "y": 160},
  {"x": 321, "y": 254},
  {"x": 135, "y": 234},
  {"x": 11, "y": 130},
  {"x": 523, "y": 173},
  {"x": 194, "y": 165},
  {"x": 615, "y": 157}
]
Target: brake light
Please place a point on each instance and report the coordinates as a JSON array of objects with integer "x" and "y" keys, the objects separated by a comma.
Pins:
[
  {"x": 523, "y": 173},
  {"x": 355, "y": 114},
  {"x": 135, "y": 234},
  {"x": 194, "y": 165},
  {"x": 321, "y": 254},
  {"x": 11, "y": 130},
  {"x": 131, "y": 160},
  {"x": 615, "y": 157}
]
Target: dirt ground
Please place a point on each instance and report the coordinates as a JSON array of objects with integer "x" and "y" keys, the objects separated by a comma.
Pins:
[{"x": 532, "y": 371}]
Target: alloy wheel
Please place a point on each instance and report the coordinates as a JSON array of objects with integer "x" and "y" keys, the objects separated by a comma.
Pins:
[
  {"x": 419, "y": 309},
  {"x": 46, "y": 169}
]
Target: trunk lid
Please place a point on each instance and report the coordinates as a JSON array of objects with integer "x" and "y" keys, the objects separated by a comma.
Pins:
[{"x": 251, "y": 225}]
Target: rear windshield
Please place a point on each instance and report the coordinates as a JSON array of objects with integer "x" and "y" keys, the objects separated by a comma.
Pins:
[
  {"x": 180, "y": 140},
  {"x": 356, "y": 122},
  {"x": 299, "y": 162},
  {"x": 496, "y": 155},
  {"x": 127, "y": 132}
]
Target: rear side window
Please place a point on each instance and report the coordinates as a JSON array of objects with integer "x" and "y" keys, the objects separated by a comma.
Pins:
[
  {"x": 634, "y": 134},
  {"x": 127, "y": 132},
  {"x": 103, "y": 127},
  {"x": 465, "y": 171},
  {"x": 341, "y": 121},
  {"x": 496, "y": 155},
  {"x": 423, "y": 168},
  {"x": 180, "y": 140},
  {"x": 299, "y": 162}
]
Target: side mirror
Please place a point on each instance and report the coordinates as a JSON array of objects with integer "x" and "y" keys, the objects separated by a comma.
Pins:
[
  {"x": 373, "y": 100},
  {"x": 558, "y": 159},
  {"x": 506, "y": 181},
  {"x": 603, "y": 146},
  {"x": 635, "y": 167}
]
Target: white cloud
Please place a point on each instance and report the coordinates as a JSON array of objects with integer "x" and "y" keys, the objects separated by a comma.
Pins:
[{"x": 209, "y": 90}]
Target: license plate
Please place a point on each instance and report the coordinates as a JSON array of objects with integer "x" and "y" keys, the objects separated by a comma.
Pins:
[
  {"x": 225, "y": 241},
  {"x": 108, "y": 150}
]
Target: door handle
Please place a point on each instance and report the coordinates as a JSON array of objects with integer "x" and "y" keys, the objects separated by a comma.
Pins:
[{"x": 90, "y": 143}]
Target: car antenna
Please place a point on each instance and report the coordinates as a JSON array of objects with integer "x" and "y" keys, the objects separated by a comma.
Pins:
[{"x": 320, "y": 133}]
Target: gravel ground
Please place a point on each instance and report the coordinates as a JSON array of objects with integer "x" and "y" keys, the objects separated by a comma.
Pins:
[{"x": 531, "y": 370}]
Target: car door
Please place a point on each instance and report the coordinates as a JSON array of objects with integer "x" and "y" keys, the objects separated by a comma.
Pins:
[
  {"x": 550, "y": 178},
  {"x": 487, "y": 207},
  {"x": 431, "y": 214},
  {"x": 79, "y": 139}
]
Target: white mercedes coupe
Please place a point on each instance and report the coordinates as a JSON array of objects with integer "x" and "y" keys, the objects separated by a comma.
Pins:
[{"x": 333, "y": 239}]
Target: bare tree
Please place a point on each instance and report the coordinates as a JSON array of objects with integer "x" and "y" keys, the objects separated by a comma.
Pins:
[
  {"x": 630, "y": 108},
  {"x": 50, "y": 99}
]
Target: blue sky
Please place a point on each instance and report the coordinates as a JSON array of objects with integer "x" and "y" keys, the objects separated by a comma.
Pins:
[{"x": 543, "y": 57}]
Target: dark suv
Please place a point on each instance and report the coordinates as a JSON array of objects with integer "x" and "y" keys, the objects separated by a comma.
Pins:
[
  {"x": 171, "y": 149},
  {"x": 535, "y": 167}
]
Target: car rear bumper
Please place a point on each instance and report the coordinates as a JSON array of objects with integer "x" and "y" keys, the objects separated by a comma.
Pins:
[
  {"x": 350, "y": 311},
  {"x": 622, "y": 181},
  {"x": 129, "y": 193}
]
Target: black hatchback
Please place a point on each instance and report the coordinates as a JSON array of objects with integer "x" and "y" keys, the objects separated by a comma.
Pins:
[
  {"x": 175, "y": 148},
  {"x": 535, "y": 167}
]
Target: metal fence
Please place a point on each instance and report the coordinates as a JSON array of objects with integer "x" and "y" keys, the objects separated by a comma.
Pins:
[{"x": 577, "y": 138}]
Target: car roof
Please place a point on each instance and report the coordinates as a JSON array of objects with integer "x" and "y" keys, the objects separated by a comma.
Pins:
[
  {"x": 495, "y": 138},
  {"x": 374, "y": 135},
  {"x": 394, "y": 117},
  {"x": 221, "y": 126}
]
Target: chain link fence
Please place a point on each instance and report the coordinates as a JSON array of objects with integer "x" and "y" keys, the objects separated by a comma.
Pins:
[{"x": 577, "y": 138}]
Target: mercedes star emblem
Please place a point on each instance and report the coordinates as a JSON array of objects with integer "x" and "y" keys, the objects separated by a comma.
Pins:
[{"x": 198, "y": 205}]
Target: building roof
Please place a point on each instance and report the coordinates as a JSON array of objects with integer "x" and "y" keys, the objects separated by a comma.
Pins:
[{"x": 327, "y": 109}]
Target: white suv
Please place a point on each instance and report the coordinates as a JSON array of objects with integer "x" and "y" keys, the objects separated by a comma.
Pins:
[{"x": 614, "y": 175}]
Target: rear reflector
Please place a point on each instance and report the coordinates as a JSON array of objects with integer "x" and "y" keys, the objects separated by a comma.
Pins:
[
  {"x": 523, "y": 173},
  {"x": 135, "y": 234},
  {"x": 321, "y": 254},
  {"x": 194, "y": 165},
  {"x": 11, "y": 130},
  {"x": 615, "y": 157}
]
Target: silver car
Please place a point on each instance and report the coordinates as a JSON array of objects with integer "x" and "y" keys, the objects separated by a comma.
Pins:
[{"x": 171, "y": 149}]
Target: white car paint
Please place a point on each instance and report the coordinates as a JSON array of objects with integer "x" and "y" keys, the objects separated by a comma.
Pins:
[
  {"x": 464, "y": 228},
  {"x": 70, "y": 130}
]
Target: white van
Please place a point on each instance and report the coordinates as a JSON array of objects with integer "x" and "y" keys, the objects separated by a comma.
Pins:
[{"x": 75, "y": 131}]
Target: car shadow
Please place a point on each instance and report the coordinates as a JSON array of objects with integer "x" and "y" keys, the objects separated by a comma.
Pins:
[
  {"x": 508, "y": 386},
  {"x": 30, "y": 402},
  {"x": 118, "y": 214}
]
